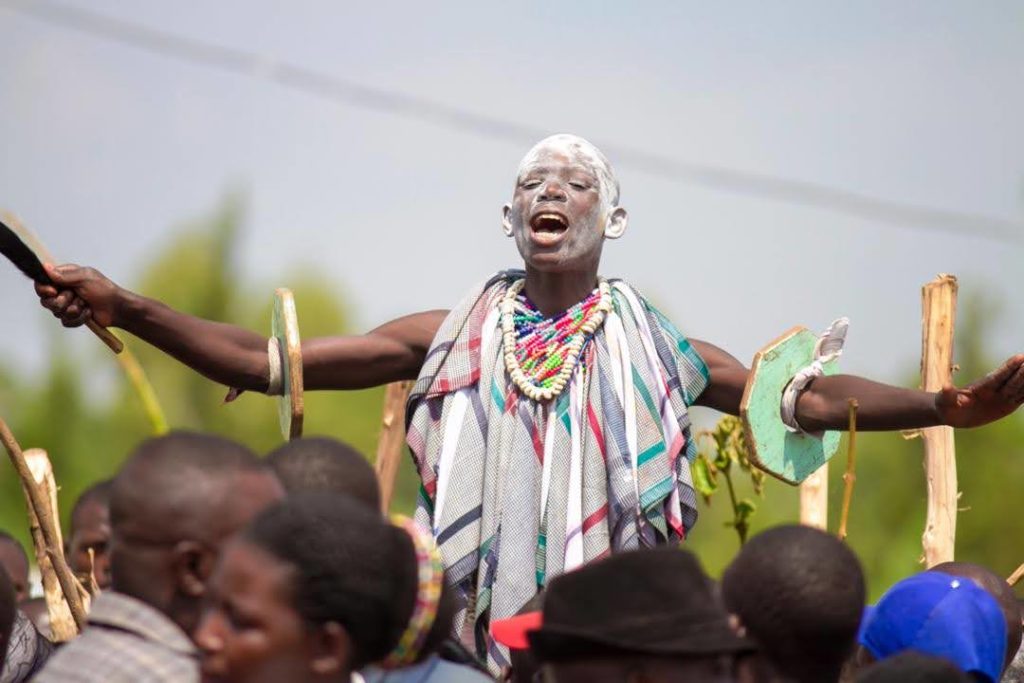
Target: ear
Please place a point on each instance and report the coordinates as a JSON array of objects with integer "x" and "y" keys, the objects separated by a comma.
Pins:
[
  {"x": 192, "y": 564},
  {"x": 506, "y": 220},
  {"x": 615, "y": 227},
  {"x": 331, "y": 650}
]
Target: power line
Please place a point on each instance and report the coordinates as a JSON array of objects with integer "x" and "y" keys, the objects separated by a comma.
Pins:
[{"x": 362, "y": 96}]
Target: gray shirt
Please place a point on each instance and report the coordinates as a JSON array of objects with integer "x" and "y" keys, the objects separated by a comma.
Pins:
[{"x": 125, "y": 641}]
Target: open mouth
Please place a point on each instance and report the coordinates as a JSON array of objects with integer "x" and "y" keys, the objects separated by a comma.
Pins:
[{"x": 548, "y": 227}]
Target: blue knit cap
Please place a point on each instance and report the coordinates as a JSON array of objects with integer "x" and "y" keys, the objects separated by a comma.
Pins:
[{"x": 942, "y": 615}]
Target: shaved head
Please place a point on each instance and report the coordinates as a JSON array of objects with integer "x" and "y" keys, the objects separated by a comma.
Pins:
[
  {"x": 576, "y": 147},
  {"x": 180, "y": 486},
  {"x": 172, "y": 506},
  {"x": 321, "y": 464}
]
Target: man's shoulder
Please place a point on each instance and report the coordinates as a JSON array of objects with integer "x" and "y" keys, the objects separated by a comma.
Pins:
[{"x": 107, "y": 654}]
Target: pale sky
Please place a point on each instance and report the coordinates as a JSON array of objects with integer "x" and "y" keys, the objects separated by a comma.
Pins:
[{"x": 108, "y": 149}]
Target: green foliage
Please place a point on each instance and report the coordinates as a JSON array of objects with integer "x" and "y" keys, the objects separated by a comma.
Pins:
[
  {"x": 85, "y": 413},
  {"x": 729, "y": 450}
]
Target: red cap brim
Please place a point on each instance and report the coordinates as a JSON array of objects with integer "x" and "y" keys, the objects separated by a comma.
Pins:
[{"x": 512, "y": 632}]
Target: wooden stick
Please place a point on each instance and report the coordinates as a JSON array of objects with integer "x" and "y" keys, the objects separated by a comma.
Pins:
[
  {"x": 47, "y": 525},
  {"x": 44, "y": 255},
  {"x": 391, "y": 440},
  {"x": 144, "y": 388},
  {"x": 62, "y": 623},
  {"x": 938, "y": 301},
  {"x": 850, "y": 476},
  {"x": 814, "y": 499},
  {"x": 1016, "y": 576}
]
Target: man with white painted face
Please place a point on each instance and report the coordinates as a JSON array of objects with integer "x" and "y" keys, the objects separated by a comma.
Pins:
[{"x": 549, "y": 418}]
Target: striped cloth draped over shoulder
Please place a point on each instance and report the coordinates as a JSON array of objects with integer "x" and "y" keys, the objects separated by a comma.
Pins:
[{"x": 518, "y": 491}]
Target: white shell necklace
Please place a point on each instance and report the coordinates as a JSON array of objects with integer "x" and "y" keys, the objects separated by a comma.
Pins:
[{"x": 541, "y": 353}]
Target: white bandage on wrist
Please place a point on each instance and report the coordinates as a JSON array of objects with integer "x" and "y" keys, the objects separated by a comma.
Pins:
[
  {"x": 276, "y": 381},
  {"x": 828, "y": 348}
]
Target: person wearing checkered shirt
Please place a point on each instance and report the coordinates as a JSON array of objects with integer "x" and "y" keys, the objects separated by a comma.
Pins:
[{"x": 174, "y": 503}]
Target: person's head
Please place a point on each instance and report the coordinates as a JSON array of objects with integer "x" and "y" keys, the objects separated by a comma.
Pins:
[
  {"x": 8, "y": 607},
  {"x": 173, "y": 504},
  {"x": 525, "y": 667},
  {"x": 89, "y": 537},
  {"x": 798, "y": 593},
  {"x": 315, "y": 588},
  {"x": 320, "y": 464},
  {"x": 941, "y": 615},
  {"x": 565, "y": 203},
  {"x": 914, "y": 667},
  {"x": 642, "y": 616},
  {"x": 14, "y": 560},
  {"x": 998, "y": 589}
]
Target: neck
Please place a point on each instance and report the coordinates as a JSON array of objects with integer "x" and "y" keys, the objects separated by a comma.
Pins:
[{"x": 552, "y": 293}]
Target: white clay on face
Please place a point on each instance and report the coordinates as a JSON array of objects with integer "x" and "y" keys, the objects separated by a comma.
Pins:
[{"x": 576, "y": 147}]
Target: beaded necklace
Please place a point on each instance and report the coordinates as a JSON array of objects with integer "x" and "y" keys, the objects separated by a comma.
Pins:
[{"x": 541, "y": 353}]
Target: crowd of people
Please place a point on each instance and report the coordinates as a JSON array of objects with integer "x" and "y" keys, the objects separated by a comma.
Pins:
[{"x": 211, "y": 563}]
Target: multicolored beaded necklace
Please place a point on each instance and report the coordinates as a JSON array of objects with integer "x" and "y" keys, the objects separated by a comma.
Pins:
[{"x": 541, "y": 353}]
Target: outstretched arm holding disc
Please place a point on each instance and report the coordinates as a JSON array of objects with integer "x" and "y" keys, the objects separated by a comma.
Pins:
[
  {"x": 823, "y": 405},
  {"x": 233, "y": 355}
]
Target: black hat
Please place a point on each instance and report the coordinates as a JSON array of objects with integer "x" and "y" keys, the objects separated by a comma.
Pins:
[{"x": 654, "y": 602}]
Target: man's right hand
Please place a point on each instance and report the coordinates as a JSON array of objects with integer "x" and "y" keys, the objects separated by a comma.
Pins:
[{"x": 79, "y": 294}]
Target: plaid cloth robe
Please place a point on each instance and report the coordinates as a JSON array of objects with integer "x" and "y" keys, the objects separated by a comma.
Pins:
[{"x": 518, "y": 491}]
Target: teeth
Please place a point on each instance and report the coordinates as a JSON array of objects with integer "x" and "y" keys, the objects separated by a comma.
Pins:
[{"x": 550, "y": 217}]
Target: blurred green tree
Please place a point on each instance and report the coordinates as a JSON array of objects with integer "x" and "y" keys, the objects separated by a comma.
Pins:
[{"x": 88, "y": 417}]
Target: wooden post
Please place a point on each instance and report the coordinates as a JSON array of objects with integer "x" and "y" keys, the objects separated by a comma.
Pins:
[
  {"x": 814, "y": 499},
  {"x": 392, "y": 439},
  {"x": 62, "y": 623},
  {"x": 1016, "y": 576},
  {"x": 48, "y": 527},
  {"x": 938, "y": 301}
]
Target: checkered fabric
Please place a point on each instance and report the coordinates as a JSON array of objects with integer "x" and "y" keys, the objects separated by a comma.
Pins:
[
  {"x": 125, "y": 640},
  {"x": 518, "y": 491}
]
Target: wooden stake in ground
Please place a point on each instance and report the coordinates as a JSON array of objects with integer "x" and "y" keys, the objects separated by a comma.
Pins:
[
  {"x": 850, "y": 476},
  {"x": 62, "y": 623},
  {"x": 38, "y": 503},
  {"x": 938, "y": 301},
  {"x": 392, "y": 439},
  {"x": 814, "y": 499}
]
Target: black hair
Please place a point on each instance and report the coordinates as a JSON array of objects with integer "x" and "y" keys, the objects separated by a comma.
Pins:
[
  {"x": 174, "y": 476},
  {"x": 325, "y": 465},
  {"x": 913, "y": 667},
  {"x": 8, "y": 608},
  {"x": 799, "y": 592},
  {"x": 997, "y": 587},
  {"x": 350, "y": 566},
  {"x": 98, "y": 493},
  {"x": 4, "y": 536}
]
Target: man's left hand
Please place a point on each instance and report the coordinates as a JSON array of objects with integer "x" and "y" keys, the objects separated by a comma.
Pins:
[{"x": 993, "y": 397}]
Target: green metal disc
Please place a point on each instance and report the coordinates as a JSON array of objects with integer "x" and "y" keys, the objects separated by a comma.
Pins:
[{"x": 776, "y": 450}]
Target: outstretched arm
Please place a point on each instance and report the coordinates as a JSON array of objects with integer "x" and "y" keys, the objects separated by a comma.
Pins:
[
  {"x": 823, "y": 405},
  {"x": 232, "y": 355}
]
